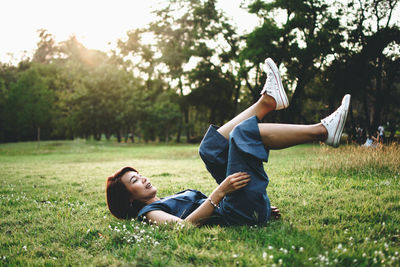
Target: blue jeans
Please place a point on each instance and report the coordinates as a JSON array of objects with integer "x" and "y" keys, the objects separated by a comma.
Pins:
[{"x": 244, "y": 152}]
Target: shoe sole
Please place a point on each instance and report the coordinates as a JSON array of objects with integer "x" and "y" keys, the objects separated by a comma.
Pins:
[
  {"x": 281, "y": 91},
  {"x": 342, "y": 121}
]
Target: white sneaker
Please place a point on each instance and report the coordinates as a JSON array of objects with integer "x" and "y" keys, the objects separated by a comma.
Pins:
[
  {"x": 335, "y": 122},
  {"x": 273, "y": 85}
]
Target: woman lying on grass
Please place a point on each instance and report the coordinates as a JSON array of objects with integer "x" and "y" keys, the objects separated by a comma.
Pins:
[{"x": 234, "y": 156}]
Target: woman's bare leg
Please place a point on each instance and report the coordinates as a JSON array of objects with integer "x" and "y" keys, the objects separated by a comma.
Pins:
[
  {"x": 273, "y": 97},
  {"x": 278, "y": 136},
  {"x": 261, "y": 108}
]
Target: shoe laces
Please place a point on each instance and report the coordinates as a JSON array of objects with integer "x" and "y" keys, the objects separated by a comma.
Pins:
[
  {"x": 328, "y": 120},
  {"x": 270, "y": 83}
]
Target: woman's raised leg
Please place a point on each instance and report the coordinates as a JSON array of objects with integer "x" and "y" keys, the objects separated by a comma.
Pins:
[
  {"x": 261, "y": 108},
  {"x": 273, "y": 97},
  {"x": 278, "y": 136}
]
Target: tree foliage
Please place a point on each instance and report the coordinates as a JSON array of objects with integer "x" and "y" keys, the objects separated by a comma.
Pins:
[{"x": 190, "y": 67}]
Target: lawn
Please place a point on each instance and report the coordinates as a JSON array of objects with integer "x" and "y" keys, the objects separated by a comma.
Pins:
[{"x": 339, "y": 206}]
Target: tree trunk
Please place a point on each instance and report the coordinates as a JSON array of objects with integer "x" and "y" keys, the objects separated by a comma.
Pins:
[
  {"x": 38, "y": 136},
  {"x": 294, "y": 111},
  {"x": 178, "y": 136},
  {"x": 133, "y": 137},
  {"x": 235, "y": 104},
  {"x": 353, "y": 125},
  {"x": 366, "y": 111},
  {"x": 212, "y": 116},
  {"x": 186, "y": 112},
  {"x": 119, "y": 137},
  {"x": 378, "y": 95},
  {"x": 126, "y": 137}
]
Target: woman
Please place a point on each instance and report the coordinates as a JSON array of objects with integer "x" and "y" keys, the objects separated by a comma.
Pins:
[{"x": 234, "y": 155}]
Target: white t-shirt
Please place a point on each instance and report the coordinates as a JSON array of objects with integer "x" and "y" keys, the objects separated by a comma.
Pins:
[{"x": 381, "y": 130}]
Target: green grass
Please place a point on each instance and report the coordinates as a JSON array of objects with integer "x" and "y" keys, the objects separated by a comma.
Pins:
[{"x": 340, "y": 207}]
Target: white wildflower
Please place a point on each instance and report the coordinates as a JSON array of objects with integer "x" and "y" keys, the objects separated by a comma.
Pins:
[
  {"x": 24, "y": 248},
  {"x": 280, "y": 261},
  {"x": 264, "y": 255},
  {"x": 301, "y": 249},
  {"x": 270, "y": 247},
  {"x": 271, "y": 257},
  {"x": 88, "y": 230}
]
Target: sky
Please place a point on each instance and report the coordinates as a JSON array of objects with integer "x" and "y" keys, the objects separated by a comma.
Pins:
[{"x": 96, "y": 24}]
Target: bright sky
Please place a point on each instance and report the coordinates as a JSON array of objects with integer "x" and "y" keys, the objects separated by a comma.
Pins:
[{"x": 97, "y": 24}]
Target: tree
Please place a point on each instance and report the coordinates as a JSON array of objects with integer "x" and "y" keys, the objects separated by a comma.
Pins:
[
  {"x": 29, "y": 107},
  {"x": 184, "y": 32},
  {"x": 303, "y": 42},
  {"x": 3, "y": 99},
  {"x": 364, "y": 68},
  {"x": 47, "y": 49},
  {"x": 212, "y": 91}
]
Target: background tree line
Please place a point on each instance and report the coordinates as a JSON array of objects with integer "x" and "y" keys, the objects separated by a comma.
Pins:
[{"x": 190, "y": 68}]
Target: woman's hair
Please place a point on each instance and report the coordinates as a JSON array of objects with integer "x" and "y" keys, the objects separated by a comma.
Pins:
[{"x": 118, "y": 196}]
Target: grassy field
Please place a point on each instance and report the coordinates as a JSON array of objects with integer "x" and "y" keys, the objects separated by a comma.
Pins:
[{"x": 340, "y": 207}]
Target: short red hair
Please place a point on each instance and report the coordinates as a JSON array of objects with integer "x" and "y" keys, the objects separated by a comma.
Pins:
[{"x": 118, "y": 196}]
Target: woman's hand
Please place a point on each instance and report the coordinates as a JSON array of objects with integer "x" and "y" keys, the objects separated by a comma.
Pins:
[
  {"x": 201, "y": 214},
  {"x": 275, "y": 213},
  {"x": 234, "y": 182}
]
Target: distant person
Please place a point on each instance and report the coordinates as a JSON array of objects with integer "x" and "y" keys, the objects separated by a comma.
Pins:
[
  {"x": 381, "y": 132},
  {"x": 371, "y": 141},
  {"x": 359, "y": 135},
  {"x": 234, "y": 156}
]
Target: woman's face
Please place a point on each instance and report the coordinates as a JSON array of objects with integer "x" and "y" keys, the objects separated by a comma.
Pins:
[{"x": 140, "y": 187}]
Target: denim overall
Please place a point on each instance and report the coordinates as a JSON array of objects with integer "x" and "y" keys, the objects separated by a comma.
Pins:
[{"x": 244, "y": 152}]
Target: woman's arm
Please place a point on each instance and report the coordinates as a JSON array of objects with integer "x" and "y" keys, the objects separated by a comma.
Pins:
[{"x": 231, "y": 183}]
